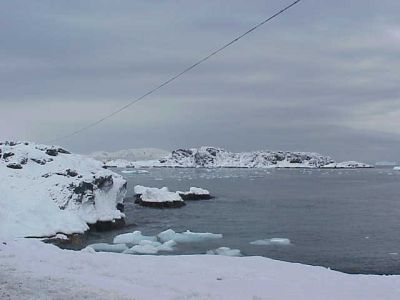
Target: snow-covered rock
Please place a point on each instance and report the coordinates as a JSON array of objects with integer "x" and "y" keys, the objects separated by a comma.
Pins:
[
  {"x": 273, "y": 241},
  {"x": 45, "y": 190},
  {"x": 225, "y": 251},
  {"x": 347, "y": 165},
  {"x": 187, "y": 236},
  {"x": 211, "y": 157},
  {"x": 195, "y": 193},
  {"x": 158, "y": 198}
]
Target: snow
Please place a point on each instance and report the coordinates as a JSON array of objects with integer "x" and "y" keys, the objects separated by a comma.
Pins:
[
  {"x": 195, "y": 191},
  {"x": 54, "y": 191},
  {"x": 34, "y": 270},
  {"x": 225, "y": 251},
  {"x": 396, "y": 168},
  {"x": 273, "y": 241},
  {"x": 346, "y": 165},
  {"x": 159, "y": 195},
  {"x": 132, "y": 238},
  {"x": 187, "y": 236}
]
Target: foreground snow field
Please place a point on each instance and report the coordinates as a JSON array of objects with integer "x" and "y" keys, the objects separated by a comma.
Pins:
[{"x": 33, "y": 270}]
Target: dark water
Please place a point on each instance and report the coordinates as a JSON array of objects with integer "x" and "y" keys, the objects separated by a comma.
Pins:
[{"x": 348, "y": 220}]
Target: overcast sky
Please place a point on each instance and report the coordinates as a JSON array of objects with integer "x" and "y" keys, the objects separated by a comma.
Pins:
[{"x": 323, "y": 77}]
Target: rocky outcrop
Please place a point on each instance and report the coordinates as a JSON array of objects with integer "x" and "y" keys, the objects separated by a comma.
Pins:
[{"x": 71, "y": 191}]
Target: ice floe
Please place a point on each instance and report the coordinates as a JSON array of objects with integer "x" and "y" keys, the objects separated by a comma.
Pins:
[
  {"x": 273, "y": 241},
  {"x": 104, "y": 247},
  {"x": 133, "y": 238},
  {"x": 187, "y": 236}
]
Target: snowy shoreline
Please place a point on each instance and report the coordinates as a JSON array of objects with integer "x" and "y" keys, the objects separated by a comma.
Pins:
[{"x": 81, "y": 274}]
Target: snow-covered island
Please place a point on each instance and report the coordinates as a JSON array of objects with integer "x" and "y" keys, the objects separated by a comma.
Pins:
[
  {"x": 127, "y": 157},
  {"x": 46, "y": 190}
]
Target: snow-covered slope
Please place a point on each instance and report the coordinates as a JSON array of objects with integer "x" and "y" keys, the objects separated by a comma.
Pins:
[
  {"x": 33, "y": 270},
  {"x": 45, "y": 190},
  {"x": 130, "y": 154},
  {"x": 211, "y": 157},
  {"x": 347, "y": 165}
]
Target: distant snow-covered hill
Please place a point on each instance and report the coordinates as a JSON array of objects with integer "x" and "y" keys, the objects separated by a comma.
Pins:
[
  {"x": 130, "y": 154},
  {"x": 211, "y": 157}
]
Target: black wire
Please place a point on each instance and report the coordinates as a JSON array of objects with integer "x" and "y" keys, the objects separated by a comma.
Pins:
[{"x": 174, "y": 77}]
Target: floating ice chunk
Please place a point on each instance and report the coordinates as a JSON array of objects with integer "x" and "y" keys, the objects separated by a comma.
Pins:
[
  {"x": 142, "y": 249},
  {"x": 396, "y": 168},
  {"x": 132, "y": 238},
  {"x": 167, "y": 246},
  {"x": 103, "y": 247},
  {"x": 273, "y": 241},
  {"x": 225, "y": 251},
  {"x": 150, "y": 247},
  {"x": 187, "y": 236}
]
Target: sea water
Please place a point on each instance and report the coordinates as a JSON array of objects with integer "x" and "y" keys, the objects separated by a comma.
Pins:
[{"x": 347, "y": 220}]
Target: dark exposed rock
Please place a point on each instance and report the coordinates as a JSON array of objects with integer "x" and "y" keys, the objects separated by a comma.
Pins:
[
  {"x": 63, "y": 151},
  {"x": 14, "y": 166},
  {"x": 40, "y": 161},
  {"x": 103, "y": 182},
  {"x": 23, "y": 161},
  {"x": 7, "y": 155},
  {"x": 52, "y": 152},
  {"x": 193, "y": 197},
  {"x": 71, "y": 173},
  {"x": 107, "y": 225},
  {"x": 120, "y": 207},
  {"x": 166, "y": 204}
]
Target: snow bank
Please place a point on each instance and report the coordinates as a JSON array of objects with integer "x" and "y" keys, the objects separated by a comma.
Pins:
[
  {"x": 225, "y": 251},
  {"x": 347, "y": 165},
  {"x": 34, "y": 270},
  {"x": 211, "y": 157},
  {"x": 45, "y": 190},
  {"x": 273, "y": 241},
  {"x": 187, "y": 236}
]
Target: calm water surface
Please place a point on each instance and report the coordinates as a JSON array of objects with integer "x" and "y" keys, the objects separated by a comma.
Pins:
[{"x": 348, "y": 220}]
